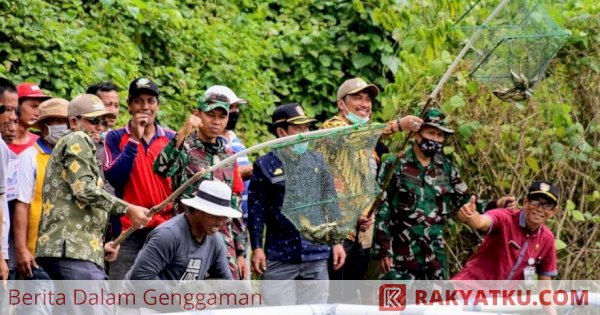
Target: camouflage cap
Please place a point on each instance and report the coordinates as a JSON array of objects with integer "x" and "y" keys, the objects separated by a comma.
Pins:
[
  {"x": 211, "y": 101},
  {"x": 436, "y": 118}
]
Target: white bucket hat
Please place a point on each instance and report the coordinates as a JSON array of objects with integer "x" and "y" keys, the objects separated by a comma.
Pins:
[{"x": 213, "y": 197}]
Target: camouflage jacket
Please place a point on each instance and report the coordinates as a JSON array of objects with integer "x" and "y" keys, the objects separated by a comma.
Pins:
[
  {"x": 417, "y": 205},
  {"x": 75, "y": 208},
  {"x": 181, "y": 164}
]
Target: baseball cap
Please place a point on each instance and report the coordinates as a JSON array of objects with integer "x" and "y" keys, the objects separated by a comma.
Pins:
[
  {"x": 88, "y": 106},
  {"x": 355, "y": 85},
  {"x": 223, "y": 90},
  {"x": 543, "y": 188},
  {"x": 210, "y": 101},
  {"x": 436, "y": 118},
  {"x": 142, "y": 85},
  {"x": 54, "y": 107},
  {"x": 291, "y": 113},
  {"x": 213, "y": 197},
  {"x": 30, "y": 90}
]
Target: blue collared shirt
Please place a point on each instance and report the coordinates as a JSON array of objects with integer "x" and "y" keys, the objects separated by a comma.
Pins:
[{"x": 265, "y": 198}]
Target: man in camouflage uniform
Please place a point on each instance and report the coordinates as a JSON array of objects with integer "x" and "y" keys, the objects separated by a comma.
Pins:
[
  {"x": 409, "y": 224},
  {"x": 189, "y": 152}
]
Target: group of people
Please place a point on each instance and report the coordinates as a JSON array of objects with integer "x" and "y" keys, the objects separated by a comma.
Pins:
[{"x": 72, "y": 181}]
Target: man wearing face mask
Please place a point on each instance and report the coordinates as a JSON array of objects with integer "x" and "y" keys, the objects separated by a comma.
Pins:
[
  {"x": 288, "y": 255},
  {"x": 355, "y": 104},
  {"x": 410, "y": 223},
  {"x": 52, "y": 123},
  {"x": 233, "y": 141},
  {"x": 198, "y": 145}
]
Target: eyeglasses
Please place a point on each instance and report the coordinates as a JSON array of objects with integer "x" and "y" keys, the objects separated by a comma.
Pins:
[
  {"x": 97, "y": 121},
  {"x": 545, "y": 205}
]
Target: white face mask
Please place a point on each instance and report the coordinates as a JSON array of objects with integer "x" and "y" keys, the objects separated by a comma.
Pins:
[{"x": 56, "y": 132}]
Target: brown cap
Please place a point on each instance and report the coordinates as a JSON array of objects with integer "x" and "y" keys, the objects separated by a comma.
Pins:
[
  {"x": 88, "y": 106},
  {"x": 355, "y": 85},
  {"x": 54, "y": 107}
]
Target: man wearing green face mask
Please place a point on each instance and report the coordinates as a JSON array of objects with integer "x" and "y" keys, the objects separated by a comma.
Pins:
[
  {"x": 355, "y": 104},
  {"x": 287, "y": 255}
]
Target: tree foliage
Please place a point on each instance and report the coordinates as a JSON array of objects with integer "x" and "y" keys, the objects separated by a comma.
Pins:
[{"x": 273, "y": 52}]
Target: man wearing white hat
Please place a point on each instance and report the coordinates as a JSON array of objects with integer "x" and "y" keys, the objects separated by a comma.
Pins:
[
  {"x": 187, "y": 247},
  {"x": 233, "y": 141}
]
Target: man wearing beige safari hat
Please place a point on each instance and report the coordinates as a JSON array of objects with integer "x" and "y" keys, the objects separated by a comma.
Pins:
[{"x": 74, "y": 205}]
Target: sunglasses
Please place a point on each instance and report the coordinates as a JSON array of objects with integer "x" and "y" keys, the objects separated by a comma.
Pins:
[
  {"x": 97, "y": 121},
  {"x": 543, "y": 205}
]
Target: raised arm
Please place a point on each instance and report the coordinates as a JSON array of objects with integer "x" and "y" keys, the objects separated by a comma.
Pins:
[
  {"x": 469, "y": 215},
  {"x": 117, "y": 162}
]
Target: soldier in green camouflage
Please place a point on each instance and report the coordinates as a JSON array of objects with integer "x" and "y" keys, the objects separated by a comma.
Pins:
[{"x": 409, "y": 224}]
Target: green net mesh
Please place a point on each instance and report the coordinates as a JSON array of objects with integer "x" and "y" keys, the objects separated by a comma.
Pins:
[
  {"x": 514, "y": 50},
  {"x": 329, "y": 185}
]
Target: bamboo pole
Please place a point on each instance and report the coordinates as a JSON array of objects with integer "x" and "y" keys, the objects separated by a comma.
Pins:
[{"x": 431, "y": 97}]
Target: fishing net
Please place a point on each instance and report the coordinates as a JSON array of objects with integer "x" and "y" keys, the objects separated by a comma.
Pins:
[
  {"x": 514, "y": 50},
  {"x": 329, "y": 185}
]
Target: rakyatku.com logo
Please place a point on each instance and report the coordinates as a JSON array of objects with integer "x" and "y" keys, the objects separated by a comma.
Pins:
[{"x": 392, "y": 297}]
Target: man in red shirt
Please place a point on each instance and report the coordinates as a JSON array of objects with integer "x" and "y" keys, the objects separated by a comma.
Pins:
[
  {"x": 515, "y": 239},
  {"x": 30, "y": 97},
  {"x": 130, "y": 154}
]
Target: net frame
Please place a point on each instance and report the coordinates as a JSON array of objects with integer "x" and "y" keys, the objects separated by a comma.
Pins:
[
  {"x": 516, "y": 48},
  {"x": 330, "y": 220}
]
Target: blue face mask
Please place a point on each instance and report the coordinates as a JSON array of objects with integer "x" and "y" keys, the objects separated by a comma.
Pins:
[
  {"x": 355, "y": 119},
  {"x": 300, "y": 148}
]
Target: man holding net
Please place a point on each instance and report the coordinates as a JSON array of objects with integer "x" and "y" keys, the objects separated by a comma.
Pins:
[
  {"x": 355, "y": 104},
  {"x": 408, "y": 237},
  {"x": 197, "y": 146},
  {"x": 289, "y": 255}
]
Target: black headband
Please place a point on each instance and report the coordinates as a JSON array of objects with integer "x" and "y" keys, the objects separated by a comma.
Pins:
[{"x": 214, "y": 199}]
